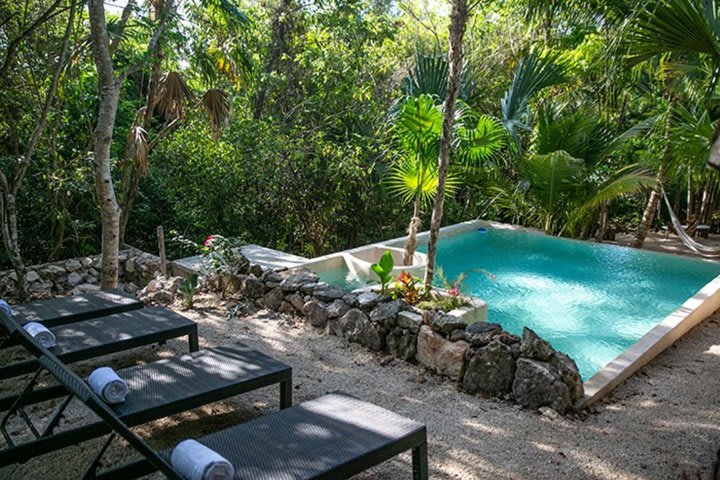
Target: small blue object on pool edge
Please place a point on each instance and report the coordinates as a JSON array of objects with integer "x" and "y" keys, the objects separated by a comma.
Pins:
[{"x": 482, "y": 230}]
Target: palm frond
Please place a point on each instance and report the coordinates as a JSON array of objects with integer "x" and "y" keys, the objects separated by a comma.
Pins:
[
  {"x": 412, "y": 179},
  {"x": 682, "y": 26},
  {"x": 138, "y": 148},
  {"x": 533, "y": 73},
  {"x": 552, "y": 177},
  {"x": 481, "y": 143},
  {"x": 217, "y": 107},
  {"x": 173, "y": 95}
]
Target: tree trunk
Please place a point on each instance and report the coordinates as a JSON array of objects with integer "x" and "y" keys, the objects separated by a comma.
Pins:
[
  {"x": 110, "y": 86},
  {"x": 458, "y": 21},
  {"x": 604, "y": 220},
  {"x": 109, "y": 97},
  {"x": 413, "y": 227},
  {"x": 639, "y": 240},
  {"x": 280, "y": 57},
  {"x": 10, "y": 189}
]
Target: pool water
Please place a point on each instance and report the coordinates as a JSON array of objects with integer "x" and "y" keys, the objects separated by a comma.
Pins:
[
  {"x": 591, "y": 301},
  {"x": 343, "y": 278}
]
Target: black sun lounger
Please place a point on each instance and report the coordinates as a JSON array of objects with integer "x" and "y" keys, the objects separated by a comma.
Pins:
[
  {"x": 61, "y": 311},
  {"x": 334, "y": 436},
  {"x": 100, "y": 336},
  {"x": 159, "y": 389}
]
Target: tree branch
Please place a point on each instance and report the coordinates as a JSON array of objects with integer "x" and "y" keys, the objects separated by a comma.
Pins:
[
  {"x": 15, "y": 43},
  {"x": 127, "y": 11},
  {"x": 49, "y": 99}
]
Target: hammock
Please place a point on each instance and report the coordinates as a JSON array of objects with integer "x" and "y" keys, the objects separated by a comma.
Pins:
[{"x": 689, "y": 242}]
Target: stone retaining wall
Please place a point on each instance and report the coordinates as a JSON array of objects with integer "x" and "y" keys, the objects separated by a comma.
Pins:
[
  {"x": 480, "y": 357},
  {"x": 79, "y": 275}
]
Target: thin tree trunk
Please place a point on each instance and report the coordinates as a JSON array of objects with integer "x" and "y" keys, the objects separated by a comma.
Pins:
[
  {"x": 413, "y": 227},
  {"x": 9, "y": 191},
  {"x": 109, "y": 97},
  {"x": 604, "y": 220},
  {"x": 458, "y": 21},
  {"x": 131, "y": 180},
  {"x": 110, "y": 86},
  {"x": 639, "y": 239}
]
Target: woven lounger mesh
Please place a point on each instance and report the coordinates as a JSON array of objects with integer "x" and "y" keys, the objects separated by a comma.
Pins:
[
  {"x": 334, "y": 436},
  {"x": 175, "y": 385},
  {"x": 61, "y": 311},
  {"x": 79, "y": 388},
  {"x": 100, "y": 336}
]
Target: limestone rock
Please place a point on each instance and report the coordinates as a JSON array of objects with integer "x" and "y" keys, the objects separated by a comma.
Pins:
[
  {"x": 73, "y": 279},
  {"x": 480, "y": 334},
  {"x": 356, "y": 327},
  {"x": 534, "y": 347},
  {"x": 308, "y": 288},
  {"x": 256, "y": 270},
  {"x": 410, "y": 320},
  {"x": 386, "y": 313},
  {"x": 130, "y": 265},
  {"x": 367, "y": 300},
  {"x": 338, "y": 308},
  {"x": 286, "y": 307},
  {"x": 86, "y": 288},
  {"x": 272, "y": 299},
  {"x": 73, "y": 265},
  {"x": 294, "y": 281},
  {"x": 86, "y": 262},
  {"x": 253, "y": 287},
  {"x": 162, "y": 296},
  {"x": 31, "y": 276},
  {"x": 317, "y": 313},
  {"x": 401, "y": 343},
  {"x": 296, "y": 301},
  {"x": 539, "y": 384},
  {"x": 569, "y": 374},
  {"x": 490, "y": 370},
  {"x": 435, "y": 352},
  {"x": 350, "y": 299},
  {"x": 447, "y": 323},
  {"x": 328, "y": 293}
]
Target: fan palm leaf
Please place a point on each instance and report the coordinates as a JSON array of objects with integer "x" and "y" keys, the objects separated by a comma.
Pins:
[
  {"x": 173, "y": 95},
  {"x": 533, "y": 73},
  {"x": 481, "y": 143},
  {"x": 412, "y": 179},
  {"x": 217, "y": 107}
]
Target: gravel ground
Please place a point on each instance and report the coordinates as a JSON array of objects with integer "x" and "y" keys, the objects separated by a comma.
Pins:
[{"x": 662, "y": 423}]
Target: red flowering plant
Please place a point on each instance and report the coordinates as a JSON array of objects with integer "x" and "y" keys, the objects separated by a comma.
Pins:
[{"x": 409, "y": 288}]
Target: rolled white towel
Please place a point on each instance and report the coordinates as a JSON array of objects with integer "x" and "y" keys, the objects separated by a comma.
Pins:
[
  {"x": 194, "y": 461},
  {"x": 108, "y": 385},
  {"x": 41, "y": 334},
  {"x": 4, "y": 306}
]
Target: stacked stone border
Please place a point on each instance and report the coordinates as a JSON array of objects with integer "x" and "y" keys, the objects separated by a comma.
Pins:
[
  {"x": 480, "y": 357},
  {"x": 81, "y": 275}
]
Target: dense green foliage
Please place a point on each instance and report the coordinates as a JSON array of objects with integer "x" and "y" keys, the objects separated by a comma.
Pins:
[{"x": 290, "y": 124}]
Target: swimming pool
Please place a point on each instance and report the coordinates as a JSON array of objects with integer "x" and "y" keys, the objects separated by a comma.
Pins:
[{"x": 591, "y": 301}]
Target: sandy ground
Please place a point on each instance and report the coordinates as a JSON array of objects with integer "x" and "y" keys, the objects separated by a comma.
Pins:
[{"x": 662, "y": 423}]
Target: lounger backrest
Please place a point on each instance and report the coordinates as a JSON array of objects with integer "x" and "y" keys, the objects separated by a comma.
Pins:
[{"x": 82, "y": 391}]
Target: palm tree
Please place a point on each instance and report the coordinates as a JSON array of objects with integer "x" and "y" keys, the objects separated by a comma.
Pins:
[
  {"x": 688, "y": 28},
  {"x": 414, "y": 178}
]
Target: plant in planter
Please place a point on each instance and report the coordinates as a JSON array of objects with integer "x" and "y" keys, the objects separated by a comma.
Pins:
[
  {"x": 383, "y": 269},
  {"x": 451, "y": 298},
  {"x": 409, "y": 288}
]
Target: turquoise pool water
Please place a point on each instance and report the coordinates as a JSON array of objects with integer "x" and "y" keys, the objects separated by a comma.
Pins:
[
  {"x": 343, "y": 278},
  {"x": 591, "y": 301}
]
